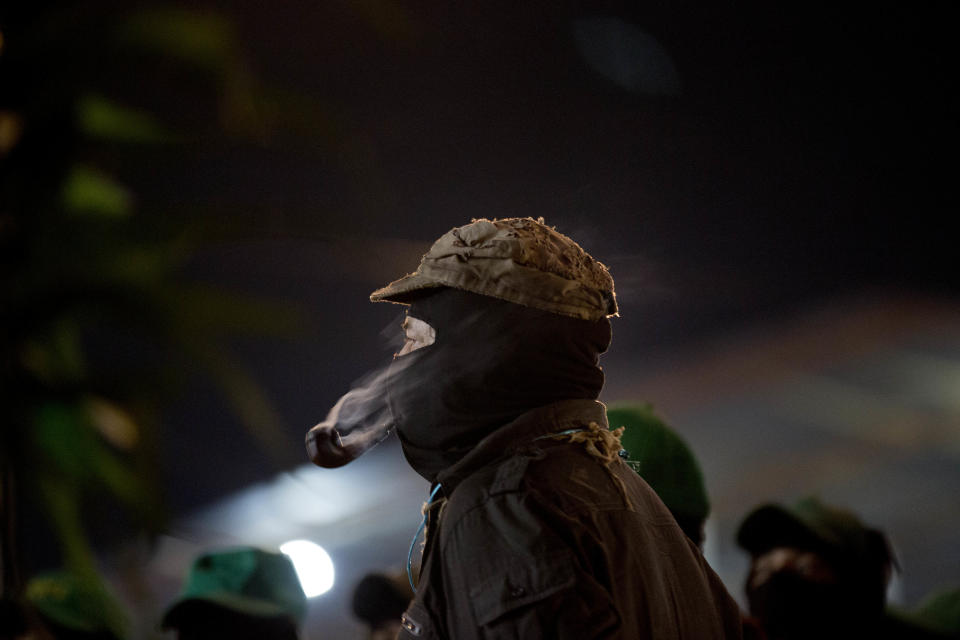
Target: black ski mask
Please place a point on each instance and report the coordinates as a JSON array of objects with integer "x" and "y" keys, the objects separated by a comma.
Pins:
[
  {"x": 491, "y": 362},
  {"x": 791, "y": 608}
]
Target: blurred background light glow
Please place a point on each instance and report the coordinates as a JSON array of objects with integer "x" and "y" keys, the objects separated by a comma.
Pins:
[{"x": 313, "y": 564}]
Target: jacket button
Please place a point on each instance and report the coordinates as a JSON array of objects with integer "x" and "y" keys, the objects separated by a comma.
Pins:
[{"x": 517, "y": 592}]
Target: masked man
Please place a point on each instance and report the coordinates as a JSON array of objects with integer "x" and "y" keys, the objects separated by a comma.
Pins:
[
  {"x": 536, "y": 527},
  {"x": 817, "y": 571}
]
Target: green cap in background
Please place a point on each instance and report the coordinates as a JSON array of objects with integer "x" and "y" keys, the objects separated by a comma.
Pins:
[
  {"x": 810, "y": 524},
  {"x": 520, "y": 260},
  {"x": 76, "y": 603},
  {"x": 246, "y": 580},
  {"x": 664, "y": 460}
]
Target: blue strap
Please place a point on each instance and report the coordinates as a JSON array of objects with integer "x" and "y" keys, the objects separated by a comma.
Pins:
[{"x": 416, "y": 536}]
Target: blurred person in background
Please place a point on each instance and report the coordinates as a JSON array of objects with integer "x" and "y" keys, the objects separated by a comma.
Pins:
[
  {"x": 536, "y": 528},
  {"x": 661, "y": 457},
  {"x": 817, "y": 571},
  {"x": 241, "y": 593},
  {"x": 65, "y": 606},
  {"x": 379, "y": 600}
]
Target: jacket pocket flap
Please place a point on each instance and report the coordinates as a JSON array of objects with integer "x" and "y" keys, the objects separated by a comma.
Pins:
[{"x": 522, "y": 582}]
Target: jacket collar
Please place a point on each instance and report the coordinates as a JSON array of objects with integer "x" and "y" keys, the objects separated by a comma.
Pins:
[{"x": 521, "y": 432}]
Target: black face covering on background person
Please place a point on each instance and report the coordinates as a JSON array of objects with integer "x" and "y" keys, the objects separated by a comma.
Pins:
[
  {"x": 491, "y": 362},
  {"x": 789, "y": 607}
]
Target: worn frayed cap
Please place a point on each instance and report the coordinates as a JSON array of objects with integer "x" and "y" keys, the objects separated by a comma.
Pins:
[{"x": 520, "y": 260}]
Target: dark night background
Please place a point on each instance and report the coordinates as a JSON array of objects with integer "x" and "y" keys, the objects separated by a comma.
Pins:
[
  {"x": 807, "y": 151},
  {"x": 732, "y": 163}
]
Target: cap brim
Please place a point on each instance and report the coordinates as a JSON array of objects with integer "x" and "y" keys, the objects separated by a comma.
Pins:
[
  {"x": 405, "y": 289},
  {"x": 189, "y": 607},
  {"x": 772, "y": 526}
]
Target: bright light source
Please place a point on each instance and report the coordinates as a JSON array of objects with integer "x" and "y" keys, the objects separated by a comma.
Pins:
[{"x": 313, "y": 564}]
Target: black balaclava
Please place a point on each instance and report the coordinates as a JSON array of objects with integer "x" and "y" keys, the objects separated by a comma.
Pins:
[
  {"x": 791, "y": 605},
  {"x": 491, "y": 361},
  {"x": 792, "y": 608}
]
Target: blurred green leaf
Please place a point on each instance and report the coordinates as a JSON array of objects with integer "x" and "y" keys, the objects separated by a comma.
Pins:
[
  {"x": 80, "y": 599},
  {"x": 205, "y": 38},
  {"x": 119, "y": 478},
  {"x": 114, "y": 424},
  {"x": 102, "y": 118},
  {"x": 62, "y": 501},
  {"x": 55, "y": 357},
  {"x": 75, "y": 451},
  {"x": 62, "y": 437},
  {"x": 198, "y": 308},
  {"x": 89, "y": 191},
  {"x": 86, "y": 274}
]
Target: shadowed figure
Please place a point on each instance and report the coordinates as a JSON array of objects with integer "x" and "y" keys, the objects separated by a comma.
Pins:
[
  {"x": 535, "y": 527},
  {"x": 241, "y": 593},
  {"x": 379, "y": 600},
  {"x": 817, "y": 571}
]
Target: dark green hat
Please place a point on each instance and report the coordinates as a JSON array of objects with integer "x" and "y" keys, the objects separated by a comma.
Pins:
[
  {"x": 76, "y": 603},
  {"x": 811, "y": 524},
  {"x": 663, "y": 459},
  {"x": 246, "y": 580}
]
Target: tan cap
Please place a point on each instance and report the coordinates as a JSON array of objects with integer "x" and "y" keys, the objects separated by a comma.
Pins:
[{"x": 520, "y": 260}]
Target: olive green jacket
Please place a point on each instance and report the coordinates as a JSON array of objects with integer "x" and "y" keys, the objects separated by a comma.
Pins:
[{"x": 537, "y": 537}]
